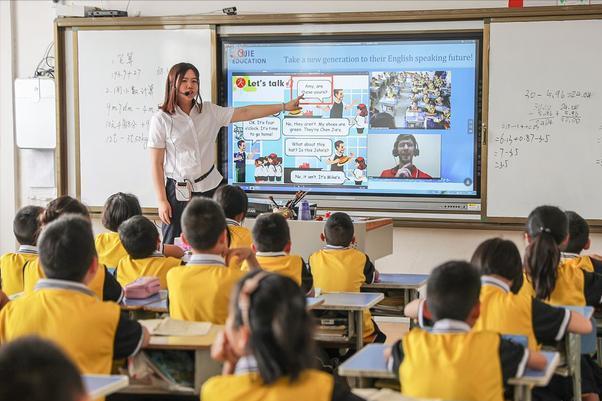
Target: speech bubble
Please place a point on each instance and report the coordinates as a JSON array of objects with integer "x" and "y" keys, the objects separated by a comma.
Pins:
[
  {"x": 316, "y": 127},
  {"x": 320, "y": 89},
  {"x": 262, "y": 129},
  {"x": 308, "y": 147},
  {"x": 317, "y": 177}
]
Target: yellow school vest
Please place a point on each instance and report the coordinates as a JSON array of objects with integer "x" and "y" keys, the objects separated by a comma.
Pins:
[
  {"x": 341, "y": 270},
  {"x": 467, "y": 366},
  {"x": 240, "y": 237},
  {"x": 582, "y": 262},
  {"x": 201, "y": 292},
  {"x": 34, "y": 272},
  {"x": 12, "y": 269},
  {"x": 130, "y": 269},
  {"x": 569, "y": 289},
  {"x": 311, "y": 385},
  {"x": 506, "y": 313},
  {"x": 109, "y": 249},
  {"x": 83, "y": 326},
  {"x": 287, "y": 265}
]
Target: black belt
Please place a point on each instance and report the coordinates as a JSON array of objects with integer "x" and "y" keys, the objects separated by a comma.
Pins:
[{"x": 201, "y": 178}]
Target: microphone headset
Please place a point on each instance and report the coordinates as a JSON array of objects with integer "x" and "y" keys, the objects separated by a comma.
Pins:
[{"x": 401, "y": 137}]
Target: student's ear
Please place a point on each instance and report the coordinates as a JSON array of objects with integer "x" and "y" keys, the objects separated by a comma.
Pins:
[
  {"x": 242, "y": 339},
  {"x": 474, "y": 314},
  {"x": 287, "y": 247},
  {"x": 353, "y": 239},
  {"x": 564, "y": 243},
  {"x": 587, "y": 245},
  {"x": 158, "y": 247},
  {"x": 527, "y": 238},
  {"x": 92, "y": 270},
  {"x": 254, "y": 248},
  {"x": 322, "y": 237},
  {"x": 184, "y": 239},
  {"x": 223, "y": 238}
]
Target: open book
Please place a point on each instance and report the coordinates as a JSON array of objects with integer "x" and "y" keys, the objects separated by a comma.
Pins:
[{"x": 174, "y": 327}]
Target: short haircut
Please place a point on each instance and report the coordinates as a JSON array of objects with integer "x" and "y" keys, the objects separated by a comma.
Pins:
[
  {"x": 337, "y": 143},
  {"x": 32, "y": 369},
  {"x": 339, "y": 229},
  {"x": 118, "y": 208},
  {"x": 26, "y": 225},
  {"x": 63, "y": 205},
  {"x": 271, "y": 232},
  {"x": 240, "y": 142},
  {"x": 203, "y": 222},
  {"x": 139, "y": 237},
  {"x": 452, "y": 290},
  {"x": 578, "y": 232},
  {"x": 66, "y": 248},
  {"x": 500, "y": 257},
  {"x": 232, "y": 199}
]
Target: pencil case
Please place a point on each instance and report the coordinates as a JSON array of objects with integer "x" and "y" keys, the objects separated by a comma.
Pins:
[{"x": 143, "y": 287}]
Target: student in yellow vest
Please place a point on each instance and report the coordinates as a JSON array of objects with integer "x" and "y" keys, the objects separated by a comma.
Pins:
[
  {"x": 26, "y": 228},
  {"x": 104, "y": 285},
  {"x": 267, "y": 347},
  {"x": 579, "y": 241},
  {"x": 272, "y": 246},
  {"x": 118, "y": 208},
  {"x": 235, "y": 203},
  {"x": 453, "y": 362},
  {"x": 63, "y": 309},
  {"x": 32, "y": 369},
  {"x": 339, "y": 268},
  {"x": 140, "y": 239},
  {"x": 201, "y": 289}
]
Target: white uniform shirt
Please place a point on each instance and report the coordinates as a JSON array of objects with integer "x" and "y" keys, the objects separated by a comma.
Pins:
[{"x": 189, "y": 142}]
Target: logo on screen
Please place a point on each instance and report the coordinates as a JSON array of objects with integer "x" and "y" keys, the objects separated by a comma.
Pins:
[{"x": 241, "y": 82}]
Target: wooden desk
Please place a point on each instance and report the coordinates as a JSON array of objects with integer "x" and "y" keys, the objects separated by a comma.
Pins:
[
  {"x": 374, "y": 237},
  {"x": 395, "y": 286},
  {"x": 354, "y": 303},
  {"x": 98, "y": 386}
]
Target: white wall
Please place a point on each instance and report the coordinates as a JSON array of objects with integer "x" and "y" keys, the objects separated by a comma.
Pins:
[{"x": 29, "y": 26}]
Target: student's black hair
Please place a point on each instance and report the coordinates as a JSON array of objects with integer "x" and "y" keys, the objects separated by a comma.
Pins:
[
  {"x": 240, "y": 142},
  {"x": 32, "y": 369},
  {"x": 500, "y": 257},
  {"x": 337, "y": 143},
  {"x": 271, "y": 232},
  {"x": 547, "y": 226},
  {"x": 280, "y": 326},
  {"x": 26, "y": 225},
  {"x": 139, "y": 237},
  {"x": 453, "y": 290},
  {"x": 66, "y": 248},
  {"x": 338, "y": 229},
  {"x": 232, "y": 199},
  {"x": 118, "y": 208},
  {"x": 63, "y": 205},
  {"x": 578, "y": 232},
  {"x": 203, "y": 222}
]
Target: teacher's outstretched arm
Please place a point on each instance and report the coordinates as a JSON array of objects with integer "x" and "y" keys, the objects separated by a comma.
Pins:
[
  {"x": 158, "y": 173},
  {"x": 252, "y": 112}
]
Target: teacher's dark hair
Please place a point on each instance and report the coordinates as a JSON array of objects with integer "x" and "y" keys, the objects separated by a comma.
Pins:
[{"x": 174, "y": 78}]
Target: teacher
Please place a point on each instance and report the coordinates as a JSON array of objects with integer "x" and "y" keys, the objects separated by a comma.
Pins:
[{"x": 181, "y": 140}]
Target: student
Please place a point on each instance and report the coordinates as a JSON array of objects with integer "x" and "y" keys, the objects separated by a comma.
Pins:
[
  {"x": 12, "y": 265},
  {"x": 64, "y": 309},
  {"x": 234, "y": 202},
  {"x": 452, "y": 362},
  {"x": 267, "y": 347},
  {"x": 118, "y": 208},
  {"x": 339, "y": 268},
  {"x": 32, "y": 369},
  {"x": 140, "y": 239},
  {"x": 201, "y": 289},
  {"x": 272, "y": 246},
  {"x": 104, "y": 285},
  {"x": 578, "y": 241}
]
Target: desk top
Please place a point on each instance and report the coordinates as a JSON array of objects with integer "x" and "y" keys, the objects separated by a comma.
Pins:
[
  {"x": 399, "y": 281},
  {"x": 312, "y": 302},
  {"x": 98, "y": 386},
  {"x": 185, "y": 342},
  {"x": 538, "y": 378},
  {"x": 353, "y": 301}
]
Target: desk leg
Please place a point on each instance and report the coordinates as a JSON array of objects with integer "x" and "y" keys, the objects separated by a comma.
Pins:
[
  {"x": 204, "y": 368},
  {"x": 359, "y": 330},
  {"x": 573, "y": 356}
]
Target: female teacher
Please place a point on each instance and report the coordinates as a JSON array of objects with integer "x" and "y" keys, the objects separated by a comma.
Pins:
[{"x": 181, "y": 139}]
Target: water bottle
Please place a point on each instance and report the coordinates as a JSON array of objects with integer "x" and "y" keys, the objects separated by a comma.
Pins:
[{"x": 304, "y": 213}]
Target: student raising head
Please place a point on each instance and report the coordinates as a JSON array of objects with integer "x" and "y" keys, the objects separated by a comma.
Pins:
[
  {"x": 578, "y": 241},
  {"x": 104, "y": 285},
  {"x": 468, "y": 365},
  {"x": 32, "y": 369},
  {"x": 272, "y": 246},
  {"x": 204, "y": 229},
  {"x": 339, "y": 268},
  {"x": 234, "y": 202},
  {"x": 267, "y": 346},
  {"x": 26, "y": 228},
  {"x": 63, "y": 309},
  {"x": 118, "y": 208},
  {"x": 140, "y": 238}
]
